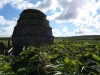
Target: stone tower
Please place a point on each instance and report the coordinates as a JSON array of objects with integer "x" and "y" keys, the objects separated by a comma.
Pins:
[{"x": 32, "y": 29}]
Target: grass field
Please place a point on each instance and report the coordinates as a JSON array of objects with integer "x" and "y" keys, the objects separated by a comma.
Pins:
[
  {"x": 5, "y": 41},
  {"x": 67, "y": 56},
  {"x": 94, "y": 38},
  {"x": 86, "y": 37}
]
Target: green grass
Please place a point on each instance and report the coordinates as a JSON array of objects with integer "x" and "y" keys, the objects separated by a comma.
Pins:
[
  {"x": 5, "y": 38},
  {"x": 86, "y": 37},
  {"x": 68, "y": 56},
  {"x": 94, "y": 38},
  {"x": 5, "y": 41}
]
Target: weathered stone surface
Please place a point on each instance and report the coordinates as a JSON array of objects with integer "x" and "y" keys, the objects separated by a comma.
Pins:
[{"x": 32, "y": 29}]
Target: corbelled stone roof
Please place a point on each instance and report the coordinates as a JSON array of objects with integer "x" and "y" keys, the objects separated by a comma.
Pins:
[{"x": 32, "y": 28}]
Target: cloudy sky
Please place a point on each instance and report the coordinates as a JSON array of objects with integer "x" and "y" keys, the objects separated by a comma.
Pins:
[{"x": 66, "y": 17}]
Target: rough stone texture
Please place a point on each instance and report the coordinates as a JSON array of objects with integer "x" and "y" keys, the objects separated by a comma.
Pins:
[{"x": 32, "y": 29}]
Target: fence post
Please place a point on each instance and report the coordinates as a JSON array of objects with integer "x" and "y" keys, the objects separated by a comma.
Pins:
[{"x": 8, "y": 43}]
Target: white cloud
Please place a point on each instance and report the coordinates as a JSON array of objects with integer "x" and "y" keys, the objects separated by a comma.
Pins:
[
  {"x": 84, "y": 31},
  {"x": 64, "y": 29},
  {"x": 54, "y": 5},
  {"x": 18, "y": 4},
  {"x": 3, "y": 3},
  {"x": 7, "y": 27},
  {"x": 21, "y": 4},
  {"x": 56, "y": 32},
  {"x": 82, "y": 13},
  {"x": 52, "y": 17},
  {"x": 88, "y": 16},
  {"x": 2, "y": 20},
  {"x": 44, "y": 5},
  {"x": 77, "y": 11},
  {"x": 81, "y": 31},
  {"x": 6, "y": 31},
  {"x": 69, "y": 9}
]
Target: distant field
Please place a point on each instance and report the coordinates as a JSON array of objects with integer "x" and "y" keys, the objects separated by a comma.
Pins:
[
  {"x": 73, "y": 38},
  {"x": 86, "y": 37},
  {"x": 5, "y": 41},
  {"x": 5, "y": 38},
  {"x": 78, "y": 55}
]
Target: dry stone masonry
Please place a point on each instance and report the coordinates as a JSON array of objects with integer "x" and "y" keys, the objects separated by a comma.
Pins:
[{"x": 32, "y": 29}]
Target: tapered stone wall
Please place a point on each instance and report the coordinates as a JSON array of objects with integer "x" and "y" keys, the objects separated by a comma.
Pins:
[{"x": 32, "y": 29}]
